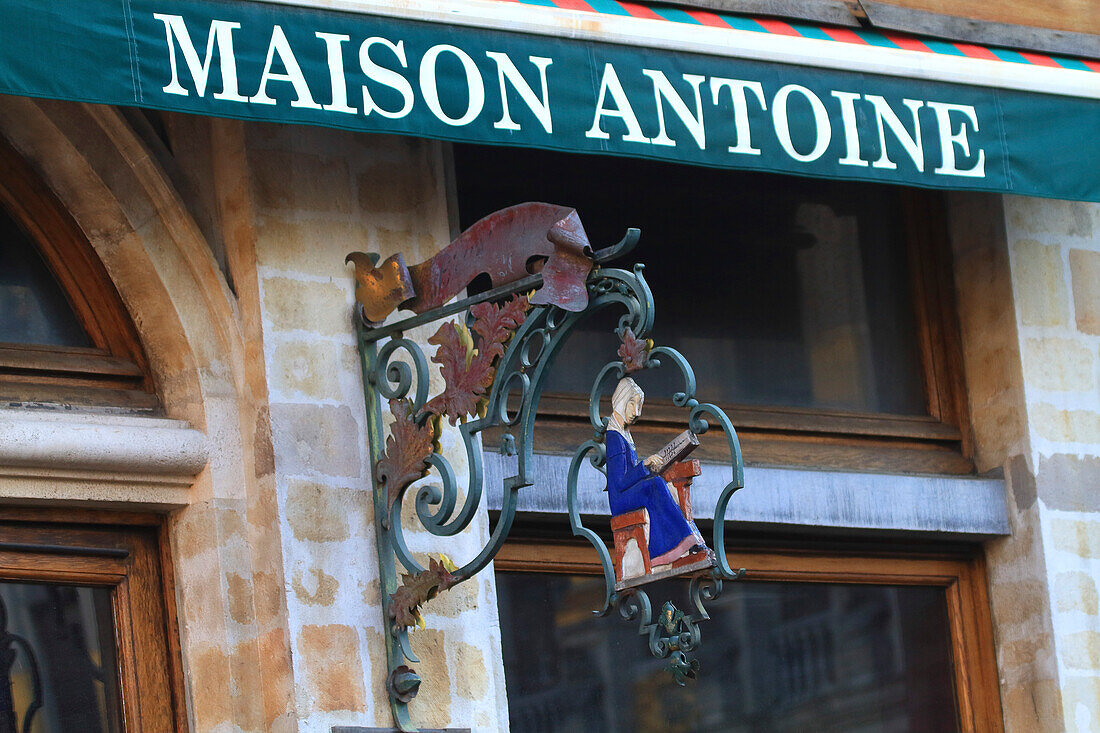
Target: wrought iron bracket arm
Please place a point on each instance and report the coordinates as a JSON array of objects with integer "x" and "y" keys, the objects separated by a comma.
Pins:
[
  {"x": 495, "y": 362},
  {"x": 376, "y": 333}
]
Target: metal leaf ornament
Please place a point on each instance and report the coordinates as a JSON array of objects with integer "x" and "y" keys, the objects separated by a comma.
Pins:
[
  {"x": 418, "y": 589},
  {"x": 469, "y": 371},
  {"x": 496, "y": 324},
  {"x": 634, "y": 351},
  {"x": 407, "y": 449}
]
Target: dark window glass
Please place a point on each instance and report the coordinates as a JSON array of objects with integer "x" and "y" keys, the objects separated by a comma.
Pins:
[
  {"x": 57, "y": 659},
  {"x": 775, "y": 657},
  {"x": 779, "y": 290},
  {"x": 33, "y": 309}
]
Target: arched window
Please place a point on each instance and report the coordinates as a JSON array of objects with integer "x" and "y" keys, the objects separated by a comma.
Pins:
[
  {"x": 65, "y": 335},
  {"x": 87, "y": 624}
]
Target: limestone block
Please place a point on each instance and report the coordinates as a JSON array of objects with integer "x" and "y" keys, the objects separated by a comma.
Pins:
[
  {"x": 394, "y": 188},
  {"x": 1084, "y": 268},
  {"x": 1070, "y": 482},
  {"x": 323, "y": 308},
  {"x": 333, "y": 667},
  {"x": 376, "y": 658},
  {"x": 293, "y": 242},
  {"x": 460, "y": 599},
  {"x": 263, "y": 452},
  {"x": 1082, "y": 538},
  {"x": 210, "y": 699},
  {"x": 296, "y": 181},
  {"x": 1025, "y": 653},
  {"x": 1039, "y": 284},
  {"x": 1060, "y": 364},
  {"x": 317, "y": 513},
  {"x": 1081, "y": 702},
  {"x": 471, "y": 679},
  {"x": 1022, "y": 482},
  {"x": 388, "y": 241},
  {"x": 316, "y": 438},
  {"x": 248, "y": 714},
  {"x": 267, "y": 589},
  {"x": 195, "y": 532},
  {"x": 1080, "y": 650},
  {"x": 239, "y": 592},
  {"x": 274, "y": 655},
  {"x": 1076, "y": 591},
  {"x": 1018, "y": 602},
  {"x": 1046, "y": 216},
  {"x": 1033, "y": 707},
  {"x": 307, "y": 368},
  {"x": 1066, "y": 426},
  {"x": 315, "y": 587},
  {"x": 431, "y": 708}
]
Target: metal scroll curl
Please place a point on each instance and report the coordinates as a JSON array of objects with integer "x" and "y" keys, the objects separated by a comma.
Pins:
[{"x": 494, "y": 360}]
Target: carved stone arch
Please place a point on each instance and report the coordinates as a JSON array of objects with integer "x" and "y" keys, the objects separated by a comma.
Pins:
[
  {"x": 236, "y": 673},
  {"x": 147, "y": 241}
]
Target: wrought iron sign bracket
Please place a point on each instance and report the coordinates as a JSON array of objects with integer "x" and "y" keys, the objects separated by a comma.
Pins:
[{"x": 496, "y": 360}]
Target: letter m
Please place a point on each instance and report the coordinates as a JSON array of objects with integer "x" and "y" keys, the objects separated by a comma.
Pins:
[{"x": 221, "y": 33}]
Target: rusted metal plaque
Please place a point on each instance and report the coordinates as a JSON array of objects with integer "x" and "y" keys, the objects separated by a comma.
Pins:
[{"x": 507, "y": 245}]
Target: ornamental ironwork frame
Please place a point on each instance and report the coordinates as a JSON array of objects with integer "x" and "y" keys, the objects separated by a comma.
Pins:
[{"x": 498, "y": 384}]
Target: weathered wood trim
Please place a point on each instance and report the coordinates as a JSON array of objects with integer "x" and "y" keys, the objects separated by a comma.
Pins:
[
  {"x": 833, "y": 12},
  {"x": 1052, "y": 37},
  {"x": 142, "y": 605}
]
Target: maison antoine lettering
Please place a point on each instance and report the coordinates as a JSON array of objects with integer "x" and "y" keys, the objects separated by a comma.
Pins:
[{"x": 534, "y": 98}]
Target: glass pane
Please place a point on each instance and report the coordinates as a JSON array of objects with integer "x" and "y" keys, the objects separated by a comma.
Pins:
[
  {"x": 57, "y": 659},
  {"x": 779, "y": 290},
  {"x": 33, "y": 310},
  {"x": 775, "y": 657}
]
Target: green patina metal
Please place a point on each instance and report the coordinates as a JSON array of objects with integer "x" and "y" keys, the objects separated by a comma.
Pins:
[{"x": 520, "y": 374}]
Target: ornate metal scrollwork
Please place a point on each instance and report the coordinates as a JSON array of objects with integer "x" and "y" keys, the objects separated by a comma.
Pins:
[
  {"x": 672, "y": 634},
  {"x": 497, "y": 382}
]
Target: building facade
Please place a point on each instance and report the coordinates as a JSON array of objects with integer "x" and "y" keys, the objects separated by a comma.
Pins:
[{"x": 913, "y": 366}]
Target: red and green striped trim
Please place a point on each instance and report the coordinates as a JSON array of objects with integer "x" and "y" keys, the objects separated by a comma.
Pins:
[{"x": 859, "y": 36}]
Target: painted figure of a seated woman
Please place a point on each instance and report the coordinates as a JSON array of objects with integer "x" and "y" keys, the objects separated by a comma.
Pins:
[{"x": 632, "y": 484}]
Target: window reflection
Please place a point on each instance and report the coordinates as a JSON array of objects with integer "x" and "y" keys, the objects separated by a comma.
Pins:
[
  {"x": 58, "y": 667},
  {"x": 780, "y": 291},
  {"x": 33, "y": 309},
  {"x": 775, "y": 657}
]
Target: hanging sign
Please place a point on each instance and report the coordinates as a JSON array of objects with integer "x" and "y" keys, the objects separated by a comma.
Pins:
[{"x": 257, "y": 61}]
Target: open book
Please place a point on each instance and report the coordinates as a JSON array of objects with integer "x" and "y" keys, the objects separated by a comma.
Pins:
[{"x": 677, "y": 449}]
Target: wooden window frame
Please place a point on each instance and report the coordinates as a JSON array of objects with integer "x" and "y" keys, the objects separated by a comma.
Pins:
[
  {"x": 939, "y": 442},
  {"x": 962, "y": 575},
  {"x": 127, "y": 554},
  {"x": 114, "y": 371}
]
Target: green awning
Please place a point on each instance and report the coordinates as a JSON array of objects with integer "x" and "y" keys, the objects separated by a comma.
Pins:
[{"x": 375, "y": 73}]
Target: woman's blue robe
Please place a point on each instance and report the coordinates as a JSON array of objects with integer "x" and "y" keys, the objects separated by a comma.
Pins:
[{"x": 630, "y": 486}]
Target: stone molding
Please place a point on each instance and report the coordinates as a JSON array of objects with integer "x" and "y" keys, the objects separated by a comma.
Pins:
[
  {"x": 782, "y": 499},
  {"x": 108, "y": 460}
]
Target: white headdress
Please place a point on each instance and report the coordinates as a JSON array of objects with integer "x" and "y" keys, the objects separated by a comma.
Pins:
[{"x": 626, "y": 390}]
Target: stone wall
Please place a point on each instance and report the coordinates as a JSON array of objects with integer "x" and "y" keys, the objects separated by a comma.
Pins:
[
  {"x": 1028, "y": 275},
  {"x": 1054, "y": 248},
  {"x": 317, "y": 195}
]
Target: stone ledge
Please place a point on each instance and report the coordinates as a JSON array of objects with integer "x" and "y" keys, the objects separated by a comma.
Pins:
[
  {"x": 109, "y": 460},
  {"x": 782, "y": 499},
  {"x": 359, "y": 729}
]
